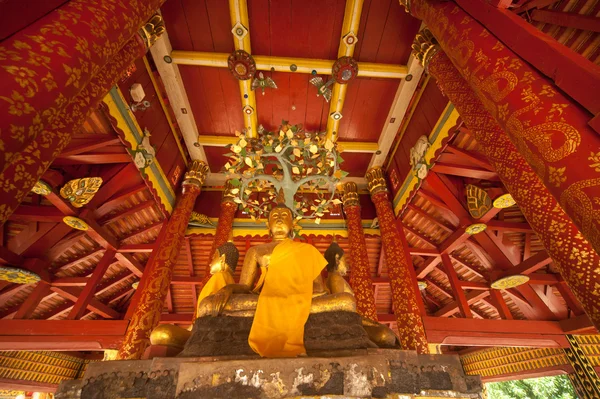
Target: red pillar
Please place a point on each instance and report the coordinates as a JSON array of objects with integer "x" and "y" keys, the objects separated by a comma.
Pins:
[
  {"x": 405, "y": 294},
  {"x": 157, "y": 276},
  {"x": 361, "y": 281},
  {"x": 28, "y": 165},
  {"x": 571, "y": 253},
  {"x": 45, "y": 66},
  {"x": 549, "y": 129}
]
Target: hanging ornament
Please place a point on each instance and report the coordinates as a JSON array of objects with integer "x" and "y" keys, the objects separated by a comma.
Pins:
[
  {"x": 242, "y": 65},
  {"x": 344, "y": 70},
  {"x": 76, "y": 223},
  {"x": 41, "y": 188},
  {"x": 323, "y": 88},
  {"x": 81, "y": 191},
  {"x": 262, "y": 83},
  {"x": 18, "y": 276}
]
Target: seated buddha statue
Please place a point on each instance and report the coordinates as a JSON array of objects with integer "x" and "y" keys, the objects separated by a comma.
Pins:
[
  {"x": 280, "y": 286},
  {"x": 337, "y": 267}
]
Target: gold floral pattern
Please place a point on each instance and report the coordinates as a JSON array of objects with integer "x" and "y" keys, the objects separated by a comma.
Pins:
[
  {"x": 578, "y": 265},
  {"x": 360, "y": 272},
  {"x": 18, "y": 276},
  {"x": 510, "y": 282},
  {"x": 27, "y": 166},
  {"x": 548, "y": 128},
  {"x": 81, "y": 191},
  {"x": 405, "y": 295},
  {"x": 76, "y": 223}
]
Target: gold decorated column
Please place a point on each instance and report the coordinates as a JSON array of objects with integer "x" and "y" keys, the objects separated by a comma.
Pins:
[
  {"x": 360, "y": 271},
  {"x": 157, "y": 276},
  {"x": 405, "y": 294}
]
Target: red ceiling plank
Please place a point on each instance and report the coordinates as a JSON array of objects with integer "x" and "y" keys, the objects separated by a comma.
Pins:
[
  {"x": 90, "y": 145},
  {"x": 455, "y": 240},
  {"x": 131, "y": 263},
  {"x": 498, "y": 256},
  {"x": 569, "y": 298},
  {"x": 497, "y": 300},
  {"x": 544, "y": 279},
  {"x": 10, "y": 257},
  {"x": 421, "y": 212},
  {"x": 11, "y": 290},
  {"x": 465, "y": 171},
  {"x": 67, "y": 242},
  {"x": 423, "y": 252},
  {"x": 472, "y": 285},
  {"x": 428, "y": 267},
  {"x": 123, "y": 178},
  {"x": 453, "y": 331},
  {"x": 92, "y": 159},
  {"x": 449, "y": 198},
  {"x": 458, "y": 293},
  {"x": 419, "y": 235},
  {"x": 82, "y": 259},
  {"x": 90, "y": 288},
  {"x": 97, "y": 232},
  {"x": 568, "y": 19},
  {"x": 32, "y": 301},
  {"x": 137, "y": 248},
  {"x": 130, "y": 211},
  {"x": 43, "y": 243},
  {"x": 528, "y": 266},
  {"x": 429, "y": 196},
  {"x": 510, "y": 250},
  {"x": 73, "y": 293},
  {"x": 70, "y": 281},
  {"x": 540, "y": 310},
  {"x": 471, "y": 268},
  {"x": 115, "y": 201},
  {"x": 36, "y": 213},
  {"x": 498, "y": 225},
  {"x": 533, "y": 4},
  {"x": 556, "y": 306},
  {"x": 109, "y": 284},
  {"x": 142, "y": 230},
  {"x": 59, "y": 310},
  {"x": 470, "y": 157},
  {"x": 471, "y": 297},
  {"x": 439, "y": 288}
]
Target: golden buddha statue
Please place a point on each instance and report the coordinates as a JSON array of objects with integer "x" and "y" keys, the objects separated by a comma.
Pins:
[
  {"x": 337, "y": 267},
  {"x": 280, "y": 285}
]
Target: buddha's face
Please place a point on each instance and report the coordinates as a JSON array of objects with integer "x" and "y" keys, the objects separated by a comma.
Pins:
[
  {"x": 218, "y": 263},
  {"x": 280, "y": 222},
  {"x": 342, "y": 266}
]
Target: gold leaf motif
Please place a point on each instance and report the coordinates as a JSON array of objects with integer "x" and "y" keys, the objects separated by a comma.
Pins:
[
  {"x": 478, "y": 201},
  {"x": 81, "y": 191}
]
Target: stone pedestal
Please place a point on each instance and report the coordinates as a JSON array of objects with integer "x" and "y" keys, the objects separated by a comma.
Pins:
[{"x": 377, "y": 373}]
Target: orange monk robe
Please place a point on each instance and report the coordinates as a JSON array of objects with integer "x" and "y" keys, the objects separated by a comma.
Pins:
[
  {"x": 284, "y": 301},
  {"x": 214, "y": 284}
]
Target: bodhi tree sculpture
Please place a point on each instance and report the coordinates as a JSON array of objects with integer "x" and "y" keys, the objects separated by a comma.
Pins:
[{"x": 304, "y": 166}]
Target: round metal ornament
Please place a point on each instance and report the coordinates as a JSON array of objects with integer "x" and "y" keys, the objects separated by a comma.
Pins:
[
  {"x": 344, "y": 70},
  {"x": 242, "y": 65},
  {"x": 18, "y": 276},
  {"x": 510, "y": 282}
]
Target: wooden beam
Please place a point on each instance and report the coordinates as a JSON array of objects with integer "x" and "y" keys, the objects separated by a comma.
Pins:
[
  {"x": 143, "y": 230},
  {"x": 470, "y": 157},
  {"x": 121, "y": 179},
  {"x": 70, "y": 281},
  {"x": 471, "y": 268},
  {"x": 419, "y": 235},
  {"x": 83, "y": 258},
  {"x": 92, "y": 159},
  {"x": 428, "y": 267},
  {"x": 126, "y": 212},
  {"x": 528, "y": 266},
  {"x": 423, "y": 252},
  {"x": 115, "y": 201},
  {"x": 570, "y": 299},
  {"x": 429, "y": 217},
  {"x": 502, "y": 226},
  {"x": 90, "y": 288},
  {"x": 567, "y": 19},
  {"x": 533, "y": 4},
  {"x": 8, "y": 256},
  {"x": 73, "y": 293},
  {"x": 499, "y": 303},
  {"x": 449, "y": 198},
  {"x": 190, "y": 262},
  {"x": 32, "y": 301},
  {"x": 471, "y": 297},
  {"x": 101, "y": 235},
  {"x": 453, "y": 331},
  {"x": 465, "y": 171},
  {"x": 472, "y": 285},
  {"x": 455, "y": 240},
  {"x": 455, "y": 284},
  {"x": 90, "y": 145},
  {"x": 41, "y": 242},
  {"x": 578, "y": 325},
  {"x": 131, "y": 263},
  {"x": 37, "y": 213},
  {"x": 137, "y": 248}
]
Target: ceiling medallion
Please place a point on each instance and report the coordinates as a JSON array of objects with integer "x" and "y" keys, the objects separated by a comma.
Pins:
[
  {"x": 76, "y": 223},
  {"x": 18, "y": 276},
  {"x": 504, "y": 201},
  {"x": 344, "y": 70},
  {"x": 350, "y": 39},
  {"x": 239, "y": 31},
  {"x": 248, "y": 110},
  {"x": 336, "y": 116},
  {"x": 42, "y": 188},
  {"x": 81, "y": 191},
  {"x": 242, "y": 65},
  {"x": 476, "y": 228},
  {"x": 478, "y": 201},
  {"x": 510, "y": 282}
]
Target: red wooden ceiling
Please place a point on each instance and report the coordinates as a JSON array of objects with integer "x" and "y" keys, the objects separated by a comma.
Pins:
[{"x": 306, "y": 29}]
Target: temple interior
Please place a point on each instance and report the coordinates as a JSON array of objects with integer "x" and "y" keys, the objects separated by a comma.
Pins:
[{"x": 393, "y": 189}]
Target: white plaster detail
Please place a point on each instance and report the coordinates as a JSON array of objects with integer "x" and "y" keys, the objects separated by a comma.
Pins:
[
  {"x": 356, "y": 383},
  {"x": 301, "y": 378}
]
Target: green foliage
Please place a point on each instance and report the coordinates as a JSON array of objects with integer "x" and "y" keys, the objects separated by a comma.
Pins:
[{"x": 558, "y": 387}]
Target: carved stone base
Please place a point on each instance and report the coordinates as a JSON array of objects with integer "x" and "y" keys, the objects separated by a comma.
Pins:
[
  {"x": 377, "y": 373},
  {"x": 323, "y": 332}
]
